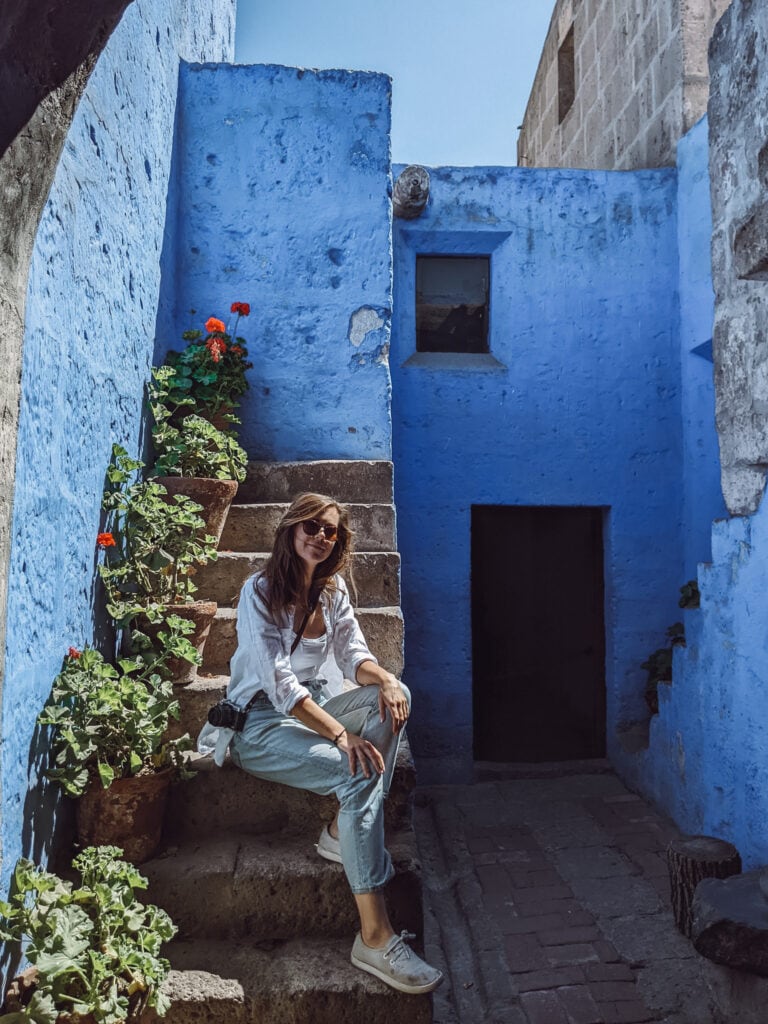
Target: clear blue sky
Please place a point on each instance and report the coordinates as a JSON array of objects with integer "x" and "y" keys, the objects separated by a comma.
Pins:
[{"x": 462, "y": 69}]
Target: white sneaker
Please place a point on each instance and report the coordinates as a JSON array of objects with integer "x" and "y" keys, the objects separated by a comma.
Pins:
[
  {"x": 397, "y": 965},
  {"x": 328, "y": 847}
]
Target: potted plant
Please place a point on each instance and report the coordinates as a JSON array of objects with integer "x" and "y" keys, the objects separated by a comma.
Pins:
[
  {"x": 192, "y": 456},
  {"x": 210, "y": 371},
  {"x": 94, "y": 948},
  {"x": 153, "y": 547},
  {"x": 110, "y": 745}
]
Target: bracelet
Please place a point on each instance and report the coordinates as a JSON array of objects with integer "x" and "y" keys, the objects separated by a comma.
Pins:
[{"x": 337, "y": 738}]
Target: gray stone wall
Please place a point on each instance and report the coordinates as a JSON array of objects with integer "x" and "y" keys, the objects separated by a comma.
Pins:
[
  {"x": 640, "y": 83},
  {"x": 738, "y": 121}
]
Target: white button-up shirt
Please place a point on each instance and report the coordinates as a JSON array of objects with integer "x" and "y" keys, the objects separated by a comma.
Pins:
[{"x": 263, "y": 659}]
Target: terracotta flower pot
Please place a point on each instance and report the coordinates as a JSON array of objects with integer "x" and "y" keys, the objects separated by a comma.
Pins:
[
  {"x": 201, "y": 614},
  {"x": 128, "y": 814},
  {"x": 214, "y": 495}
]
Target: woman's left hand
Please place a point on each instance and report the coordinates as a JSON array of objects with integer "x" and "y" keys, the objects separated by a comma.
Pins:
[{"x": 392, "y": 697}]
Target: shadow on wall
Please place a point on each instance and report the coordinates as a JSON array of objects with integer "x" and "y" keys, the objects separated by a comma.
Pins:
[{"x": 43, "y": 45}]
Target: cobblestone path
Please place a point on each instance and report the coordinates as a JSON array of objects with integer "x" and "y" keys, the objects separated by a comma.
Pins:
[{"x": 547, "y": 903}]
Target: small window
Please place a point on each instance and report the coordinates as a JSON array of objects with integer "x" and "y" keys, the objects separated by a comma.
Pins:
[
  {"x": 452, "y": 303},
  {"x": 566, "y": 76}
]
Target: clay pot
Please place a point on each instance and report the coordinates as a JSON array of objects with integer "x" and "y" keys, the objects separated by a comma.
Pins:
[
  {"x": 128, "y": 814},
  {"x": 214, "y": 495},
  {"x": 201, "y": 614}
]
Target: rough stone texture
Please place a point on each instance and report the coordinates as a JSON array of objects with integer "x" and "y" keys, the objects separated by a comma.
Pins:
[
  {"x": 273, "y": 887},
  {"x": 730, "y": 922},
  {"x": 346, "y": 480},
  {"x": 705, "y": 763},
  {"x": 739, "y": 136},
  {"x": 92, "y": 296},
  {"x": 382, "y": 628},
  {"x": 292, "y": 167},
  {"x": 560, "y": 413},
  {"x": 47, "y": 52},
  {"x": 290, "y": 983},
  {"x": 375, "y": 575},
  {"x": 231, "y": 800},
  {"x": 252, "y": 527},
  {"x": 641, "y": 83},
  {"x": 411, "y": 192}
]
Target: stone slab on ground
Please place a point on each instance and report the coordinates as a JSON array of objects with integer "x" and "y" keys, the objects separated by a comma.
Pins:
[
  {"x": 295, "y": 982},
  {"x": 730, "y": 922},
  {"x": 547, "y": 900}
]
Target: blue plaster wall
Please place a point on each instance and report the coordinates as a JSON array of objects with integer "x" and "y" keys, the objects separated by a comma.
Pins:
[
  {"x": 702, "y": 496},
  {"x": 91, "y": 307},
  {"x": 706, "y": 761},
  {"x": 283, "y": 202},
  {"x": 585, "y": 409}
]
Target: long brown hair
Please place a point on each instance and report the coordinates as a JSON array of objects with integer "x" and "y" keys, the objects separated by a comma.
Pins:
[{"x": 284, "y": 570}]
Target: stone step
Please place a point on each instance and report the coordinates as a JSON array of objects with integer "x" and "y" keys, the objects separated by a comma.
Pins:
[
  {"x": 304, "y": 981},
  {"x": 382, "y": 628},
  {"x": 343, "y": 479},
  {"x": 273, "y": 887},
  {"x": 227, "y": 799},
  {"x": 376, "y": 575},
  {"x": 252, "y": 527}
]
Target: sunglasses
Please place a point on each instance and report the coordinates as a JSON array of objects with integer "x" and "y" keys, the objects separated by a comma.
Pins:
[{"x": 312, "y": 527}]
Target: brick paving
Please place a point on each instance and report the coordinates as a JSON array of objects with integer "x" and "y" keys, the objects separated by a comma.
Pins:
[{"x": 547, "y": 903}]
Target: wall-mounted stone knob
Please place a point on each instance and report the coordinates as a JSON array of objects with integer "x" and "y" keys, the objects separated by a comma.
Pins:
[{"x": 411, "y": 192}]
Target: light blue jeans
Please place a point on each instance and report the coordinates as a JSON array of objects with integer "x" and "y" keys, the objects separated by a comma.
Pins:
[{"x": 279, "y": 748}]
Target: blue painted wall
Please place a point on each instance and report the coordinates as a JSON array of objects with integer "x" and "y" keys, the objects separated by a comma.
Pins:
[
  {"x": 585, "y": 409},
  {"x": 702, "y": 496},
  {"x": 91, "y": 307},
  {"x": 706, "y": 761},
  {"x": 283, "y": 202}
]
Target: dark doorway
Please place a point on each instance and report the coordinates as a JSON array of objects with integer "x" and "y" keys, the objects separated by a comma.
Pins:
[{"x": 538, "y": 639}]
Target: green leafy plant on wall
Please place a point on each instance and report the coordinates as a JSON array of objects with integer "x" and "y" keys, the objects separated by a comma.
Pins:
[
  {"x": 210, "y": 372},
  {"x": 193, "y": 446},
  {"x": 658, "y": 665},
  {"x": 111, "y": 721},
  {"x": 154, "y": 544}
]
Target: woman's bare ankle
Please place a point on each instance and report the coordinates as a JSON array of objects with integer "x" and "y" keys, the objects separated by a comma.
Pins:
[{"x": 376, "y": 939}]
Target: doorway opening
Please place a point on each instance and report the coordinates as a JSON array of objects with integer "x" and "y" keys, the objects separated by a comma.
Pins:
[{"x": 538, "y": 633}]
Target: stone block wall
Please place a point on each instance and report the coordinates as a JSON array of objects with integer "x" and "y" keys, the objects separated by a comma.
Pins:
[
  {"x": 738, "y": 121},
  {"x": 88, "y": 345},
  {"x": 283, "y": 200},
  {"x": 640, "y": 79}
]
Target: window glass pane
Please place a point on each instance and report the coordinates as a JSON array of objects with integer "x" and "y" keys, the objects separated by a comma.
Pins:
[{"x": 452, "y": 303}]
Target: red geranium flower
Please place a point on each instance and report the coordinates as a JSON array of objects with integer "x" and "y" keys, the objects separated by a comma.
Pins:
[
  {"x": 74, "y": 653},
  {"x": 243, "y": 308},
  {"x": 214, "y": 326},
  {"x": 105, "y": 540}
]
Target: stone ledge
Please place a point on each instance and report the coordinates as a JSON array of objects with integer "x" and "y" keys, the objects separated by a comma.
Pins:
[
  {"x": 273, "y": 887},
  {"x": 290, "y": 983}
]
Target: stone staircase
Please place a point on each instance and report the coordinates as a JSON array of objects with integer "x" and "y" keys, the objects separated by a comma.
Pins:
[{"x": 265, "y": 924}]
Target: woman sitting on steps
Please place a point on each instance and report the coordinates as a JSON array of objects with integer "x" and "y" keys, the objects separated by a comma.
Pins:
[{"x": 289, "y": 617}]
